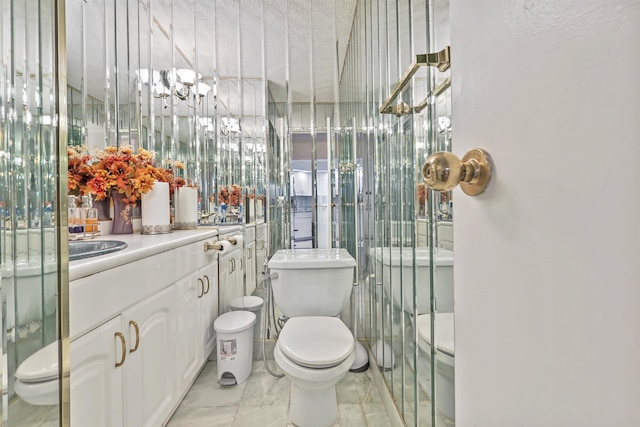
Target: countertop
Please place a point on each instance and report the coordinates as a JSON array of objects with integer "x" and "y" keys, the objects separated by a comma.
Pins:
[{"x": 138, "y": 246}]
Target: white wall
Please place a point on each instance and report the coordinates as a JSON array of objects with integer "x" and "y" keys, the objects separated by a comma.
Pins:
[{"x": 547, "y": 274}]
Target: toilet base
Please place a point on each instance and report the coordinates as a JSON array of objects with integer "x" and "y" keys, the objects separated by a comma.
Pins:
[{"x": 313, "y": 408}]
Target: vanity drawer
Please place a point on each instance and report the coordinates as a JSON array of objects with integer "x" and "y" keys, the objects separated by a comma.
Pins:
[
  {"x": 192, "y": 257},
  {"x": 97, "y": 298}
]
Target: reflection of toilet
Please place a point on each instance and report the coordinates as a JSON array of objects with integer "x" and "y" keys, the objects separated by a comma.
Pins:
[
  {"x": 399, "y": 270},
  {"x": 37, "y": 377},
  {"x": 444, "y": 359},
  {"x": 315, "y": 349}
]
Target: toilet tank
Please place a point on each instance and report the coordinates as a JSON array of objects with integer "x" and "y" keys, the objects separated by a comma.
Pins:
[
  {"x": 398, "y": 272},
  {"x": 311, "y": 282}
]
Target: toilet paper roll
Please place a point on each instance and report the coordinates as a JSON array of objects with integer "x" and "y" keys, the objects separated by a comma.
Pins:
[
  {"x": 155, "y": 209},
  {"x": 186, "y": 212},
  {"x": 226, "y": 246}
]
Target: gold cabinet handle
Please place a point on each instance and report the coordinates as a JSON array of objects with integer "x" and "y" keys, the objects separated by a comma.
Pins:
[
  {"x": 233, "y": 265},
  {"x": 201, "y": 287},
  {"x": 443, "y": 171},
  {"x": 250, "y": 253},
  {"x": 123, "y": 354},
  {"x": 241, "y": 263},
  {"x": 208, "y": 284},
  {"x": 135, "y": 326},
  {"x": 232, "y": 240}
]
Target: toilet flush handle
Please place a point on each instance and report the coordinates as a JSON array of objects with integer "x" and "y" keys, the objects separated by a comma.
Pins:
[{"x": 443, "y": 171}]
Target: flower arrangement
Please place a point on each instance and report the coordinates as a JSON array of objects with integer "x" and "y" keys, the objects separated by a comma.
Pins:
[
  {"x": 421, "y": 190},
  {"x": 230, "y": 196},
  {"x": 100, "y": 172}
]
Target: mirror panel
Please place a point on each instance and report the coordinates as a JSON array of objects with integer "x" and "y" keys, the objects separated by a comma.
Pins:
[{"x": 28, "y": 171}]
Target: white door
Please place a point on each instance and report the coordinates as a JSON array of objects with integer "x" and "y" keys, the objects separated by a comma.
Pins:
[
  {"x": 150, "y": 386},
  {"x": 546, "y": 261},
  {"x": 208, "y": 309},
  {"x": 188, "y": 343},
  {"x": 96, "y": 382}
]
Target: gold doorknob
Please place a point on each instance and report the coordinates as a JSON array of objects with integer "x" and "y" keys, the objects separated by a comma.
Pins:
[{"x": 443, "y": 171}]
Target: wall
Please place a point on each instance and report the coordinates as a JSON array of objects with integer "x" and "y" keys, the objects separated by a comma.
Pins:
[{"x": 547, "y": 319}]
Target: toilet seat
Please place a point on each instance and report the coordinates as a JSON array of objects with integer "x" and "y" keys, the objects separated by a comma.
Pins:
[
  {"x": 316, "y": 341},
  {"x": 444, "y": 332},
  {"x": 38, "y": 393},
  {"x": 40, "y": 366}
]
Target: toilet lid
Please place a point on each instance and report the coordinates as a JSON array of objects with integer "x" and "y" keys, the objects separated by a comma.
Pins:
[
  {"x": 251, "y": 303},
  {"x": 40, "y": 366},
  {"x": 316, "y": 341},
  {"x": 443, "y": 332}
]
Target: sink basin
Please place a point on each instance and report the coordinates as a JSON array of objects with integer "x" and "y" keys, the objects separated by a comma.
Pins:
[{"x": 85, "y": 249}]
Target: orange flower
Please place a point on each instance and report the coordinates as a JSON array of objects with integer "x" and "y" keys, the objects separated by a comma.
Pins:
[{"x": 114, "y": 169}]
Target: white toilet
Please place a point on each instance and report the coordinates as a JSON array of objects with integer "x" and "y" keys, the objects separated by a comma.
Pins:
[
  {"x": 315, "y": 349},
  {"x": 37, "y": 377},
  {"x": 397, "y": 266},
  {"x": 444, "y": 359}
]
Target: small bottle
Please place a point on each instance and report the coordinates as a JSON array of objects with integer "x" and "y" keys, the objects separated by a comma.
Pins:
[
  {"x": 76, "y": 220},
  {"x": 90, "y": 215}
]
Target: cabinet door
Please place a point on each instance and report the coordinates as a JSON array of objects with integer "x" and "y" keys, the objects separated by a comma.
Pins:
[
  {"x": 250, "y": 252},
  {"x": 188, "y": 346},
  {"x": 150, "y": 385},
  {"x": 208, "y": 309},
  {"x": 96, "y": 382},
  {"x": 225, "y": 271}
]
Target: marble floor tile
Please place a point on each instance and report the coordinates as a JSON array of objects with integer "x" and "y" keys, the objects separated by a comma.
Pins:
[
  {"x": 219, "y": 416},
  {"x": 263, "y": 401},
  {"x": 375, "y": 415},
  {"x": 207, "y": 392},
  {"x": 350, "y": 415},
  {"x": 263, "y": 416}
]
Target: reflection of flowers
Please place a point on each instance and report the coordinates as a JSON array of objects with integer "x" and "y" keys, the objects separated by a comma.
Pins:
[
  {"x": 114, "y": 168},
  {"x": 230, "y": 196},
  {"x": 421, "y": 189}
]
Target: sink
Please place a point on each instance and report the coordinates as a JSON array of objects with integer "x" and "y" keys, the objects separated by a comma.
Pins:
[{"x": 85, "y": 249}]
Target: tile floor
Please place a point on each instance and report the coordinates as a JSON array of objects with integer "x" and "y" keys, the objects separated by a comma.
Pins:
[{"x": 263, "y": 400}]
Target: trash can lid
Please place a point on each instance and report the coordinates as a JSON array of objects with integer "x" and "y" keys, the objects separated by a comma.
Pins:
[
  {"x": 234, "y": 321},
  {"x": 252, "y": 303}
]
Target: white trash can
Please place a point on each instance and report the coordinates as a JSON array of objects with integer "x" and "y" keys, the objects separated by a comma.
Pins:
[
  {"x": 253, "y": 304},
  {"x": 234, "y": 332}
]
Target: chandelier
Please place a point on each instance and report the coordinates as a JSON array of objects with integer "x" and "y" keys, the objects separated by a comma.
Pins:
[{"x": 187, "y": 85}]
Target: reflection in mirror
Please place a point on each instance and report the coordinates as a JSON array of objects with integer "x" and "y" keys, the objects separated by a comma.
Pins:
[{"x": 28, "y": 170}]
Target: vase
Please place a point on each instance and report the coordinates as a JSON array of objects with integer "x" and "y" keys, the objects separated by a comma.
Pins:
[
  {"x": 122, "y": 223},
  {"x": 103, "y": 207},
  {"x": 155, "y": 209}
]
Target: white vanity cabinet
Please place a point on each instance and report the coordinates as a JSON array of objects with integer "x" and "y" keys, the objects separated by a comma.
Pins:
[
  {"x": 140, "y": 332},
  {"x": 197, "y": 310},
  {"x": 231, "y": 277},
  {"x": 115, "y": 368},
  {"x": 150, "y": 388},
  {"x": 98, "y": 387}
]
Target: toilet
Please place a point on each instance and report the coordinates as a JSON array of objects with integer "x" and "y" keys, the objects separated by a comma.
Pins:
[
  {"x": 444, "y": 358},
  {"x": 397, "y": 265},
  {"x": 315, "y": 349},
  {"x": 37, "y": 377}
]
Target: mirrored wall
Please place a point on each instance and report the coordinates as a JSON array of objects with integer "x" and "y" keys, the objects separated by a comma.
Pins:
[
  {"x": 28, "y": 198},
  {"x": 403, "y": 231}
]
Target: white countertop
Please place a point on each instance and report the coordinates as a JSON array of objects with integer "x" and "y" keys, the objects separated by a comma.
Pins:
[{"x": 138, "y": 246}]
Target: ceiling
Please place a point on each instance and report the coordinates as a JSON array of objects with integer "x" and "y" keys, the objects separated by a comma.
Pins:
[{"x": 299, "y": 44}]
